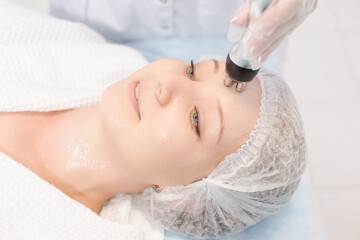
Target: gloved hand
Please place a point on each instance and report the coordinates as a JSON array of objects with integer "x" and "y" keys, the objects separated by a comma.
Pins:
[{"x": 281, "y": 18}]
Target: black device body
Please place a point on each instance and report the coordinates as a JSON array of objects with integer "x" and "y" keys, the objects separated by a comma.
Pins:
[{"x": 239, "y": 74}]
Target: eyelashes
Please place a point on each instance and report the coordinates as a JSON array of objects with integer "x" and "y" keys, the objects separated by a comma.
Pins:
[
  {"x": 191, "y": 70},
  {"x": 194, "y": 118}
]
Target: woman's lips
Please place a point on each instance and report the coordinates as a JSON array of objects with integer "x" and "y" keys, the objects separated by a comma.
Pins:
[{"x": 132, "y": 95}]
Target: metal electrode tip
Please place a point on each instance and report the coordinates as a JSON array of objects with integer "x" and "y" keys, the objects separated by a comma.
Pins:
[
  {"x": 240, "y": 87},
  {"x": 228, "y": 81}
]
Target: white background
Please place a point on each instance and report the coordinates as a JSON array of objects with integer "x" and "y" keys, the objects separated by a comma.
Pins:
[{"x": 324, "y": 72}]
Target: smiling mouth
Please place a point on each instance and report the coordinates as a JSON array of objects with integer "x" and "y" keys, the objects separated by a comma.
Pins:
[{"x": 134, "y": 95}]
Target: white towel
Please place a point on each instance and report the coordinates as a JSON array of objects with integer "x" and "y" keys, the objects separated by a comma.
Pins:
[
  {"x": 48, "y": 64},
  {"x": 31, "y": 208}
]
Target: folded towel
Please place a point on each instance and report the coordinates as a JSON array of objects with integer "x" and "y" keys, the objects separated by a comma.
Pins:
[{"x": 31, "y": 208}]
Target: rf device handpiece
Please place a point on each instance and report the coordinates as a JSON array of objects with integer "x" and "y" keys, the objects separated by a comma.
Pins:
[{"x": 240, "y": 68}]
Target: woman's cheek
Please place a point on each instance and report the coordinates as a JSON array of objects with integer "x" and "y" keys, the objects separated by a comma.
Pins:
[
  {"x": 166, "y": 126},
  {"x": 170, "y": 140}
]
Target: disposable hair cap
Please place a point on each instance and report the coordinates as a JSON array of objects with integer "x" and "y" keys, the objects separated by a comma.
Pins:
[{"x": 247, "y": 186}]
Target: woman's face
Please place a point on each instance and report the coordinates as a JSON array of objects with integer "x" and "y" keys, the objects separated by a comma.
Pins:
[{"x": 186, "y": 124}]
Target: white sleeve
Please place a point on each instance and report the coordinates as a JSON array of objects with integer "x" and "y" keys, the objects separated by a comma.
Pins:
[
  {"x": 215, "y": 15},
  {"x": 69, "y": 9},
  {"x": 144, "y": 19}
]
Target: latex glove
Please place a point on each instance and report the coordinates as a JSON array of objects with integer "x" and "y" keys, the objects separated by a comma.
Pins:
[{"x": 281, "y": 18}]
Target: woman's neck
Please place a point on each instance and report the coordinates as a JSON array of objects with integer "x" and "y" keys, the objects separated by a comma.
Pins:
[
  {"x": 69, "y": 158},
  {"x": 69, "y": 149}
]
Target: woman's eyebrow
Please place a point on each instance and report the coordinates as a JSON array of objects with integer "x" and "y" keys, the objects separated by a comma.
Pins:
[{"x": 221, "y": 121}]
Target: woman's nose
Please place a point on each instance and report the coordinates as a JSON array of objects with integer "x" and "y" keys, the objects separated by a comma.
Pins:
[{"x": 168, "y": 88}]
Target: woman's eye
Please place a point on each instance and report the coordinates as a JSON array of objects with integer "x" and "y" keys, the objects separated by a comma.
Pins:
[
  {"x": 195, "y": 121},
  {"x": 191, "y": 70}
]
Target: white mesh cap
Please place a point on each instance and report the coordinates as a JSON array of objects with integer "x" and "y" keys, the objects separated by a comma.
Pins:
[{"x": 247, "y": 186}]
